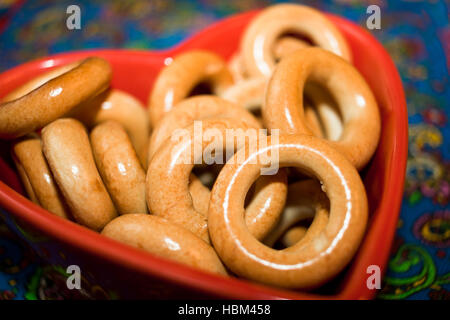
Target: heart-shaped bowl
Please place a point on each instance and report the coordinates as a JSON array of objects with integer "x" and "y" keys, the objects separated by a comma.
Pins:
[{"x": 112, "y": 270}]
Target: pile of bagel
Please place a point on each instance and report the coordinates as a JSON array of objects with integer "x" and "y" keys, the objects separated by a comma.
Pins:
[{"x": 95, "y": 155}]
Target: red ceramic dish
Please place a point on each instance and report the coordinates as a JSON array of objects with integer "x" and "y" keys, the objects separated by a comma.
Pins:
[{"x": 111, "y": 269}]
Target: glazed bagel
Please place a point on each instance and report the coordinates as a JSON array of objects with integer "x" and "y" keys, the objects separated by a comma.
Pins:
[
  {"x": 119, "y": 167},
  {"x": 263, "y": 209},
  {"x": 196, "y": 108},
  {"x": 36, "y": 176},
  {"x": 176, "y": 81},
  {"x": 266, "y": 204},
  {"x": 283, "y": 108},
  {"x": 302, "y": 265},
  {"x": 164, "y": 239},
  {"x": 250, "y": 93},
  {"x": 66, "y": 147},
  {"x": 51, "y": 95},
  {"x": 272, "y": 23},
  {"x": 122, "y": 107},
  {"x": 284, "y": 46},
  {"x": 169, "y": 171},
  {"x": 305, "y": 200}
]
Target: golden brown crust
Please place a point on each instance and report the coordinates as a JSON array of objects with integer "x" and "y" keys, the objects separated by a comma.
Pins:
[
  {"x": 293, "y": 235},
  {"x": 67, "y": 149},
  {"x": 29, "y": 111},
  {"x": 303, "y": 265},
  {"x": 305, "y": 200},
  {"x": 36, "y": 176},
  {"x": 200, "y": 195},
  {"x": 267, "y": 203},
  {"x": 272, "y": 23},
  {"x": 284, "y": 101},
  {"x": 117, "y": 105},
  {"x": 119, "y": 167},
  {"x": 247, "y": 93},
  {"x": 175, "y": 82},
  {"x": 162, "y": 238},
  {"x": 169, "y": 171},
  {"x": 196, "y": 108},
  {"x": 285, "y": 45}
]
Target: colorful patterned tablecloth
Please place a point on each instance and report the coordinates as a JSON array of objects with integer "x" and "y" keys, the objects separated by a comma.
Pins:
[{"x": 416, "y": 34}]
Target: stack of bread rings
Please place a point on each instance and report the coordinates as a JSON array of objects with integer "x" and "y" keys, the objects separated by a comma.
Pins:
[{"x": 92, "y": 154}]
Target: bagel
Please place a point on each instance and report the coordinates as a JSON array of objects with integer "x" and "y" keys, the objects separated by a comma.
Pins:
[
  {"x": 51, "y": 95},
  {"x": 176, "y": 81},
  {"x": 259, "y": 37},
  {"x": 302, "y": 265},
  {"x": 36, "y": 176},
  {"x": 66, "y": 147},
  {"x": 283, "y": 108},
  {"x": 119, "y": 106},
  {"x": 164, "y": 239},
  {"x": 196, "y": 108},
  {"x": 250, "y": 94},
  {"x": 119, "y": 167},
  {"x": 170, "y": 168},
  {"x": 305, "y": 200}
]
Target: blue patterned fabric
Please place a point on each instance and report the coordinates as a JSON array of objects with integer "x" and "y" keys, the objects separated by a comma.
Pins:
[{"x": 417, "y": 36}]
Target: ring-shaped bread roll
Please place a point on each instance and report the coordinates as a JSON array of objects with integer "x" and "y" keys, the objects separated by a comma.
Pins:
[
  {"x": 286, "y": 45},
  {"x": 283, "y": 46},
  {"x": 266, "y": 204},
  {"x": 196, "y": 108},
  {"x": 119, "y": 167},
  {"x": 283, "y": 108},
  {"x": 305, "y": 200},
  {"x": 169, "y": 173},
  {"x": 176, "y": 81},
  {"x": 263, "y": 210},
  {"x": 164, "y": 239},
  {"x": 300, "y": 266},
  {"x": 122, "y": 107},
  {"x": 250, "y": 93},
  {"x": 66, "y": 147},
  {"x": 36, "y": 176},
  {"x": 260, "y": 36},
  {"x": 52, "y": 95}
]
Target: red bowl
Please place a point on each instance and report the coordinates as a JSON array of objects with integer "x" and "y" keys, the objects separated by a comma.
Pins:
[{"x": 111, "y": 269}]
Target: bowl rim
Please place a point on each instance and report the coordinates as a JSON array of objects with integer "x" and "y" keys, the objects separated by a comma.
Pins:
[{"x": 80, "y": 237}]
